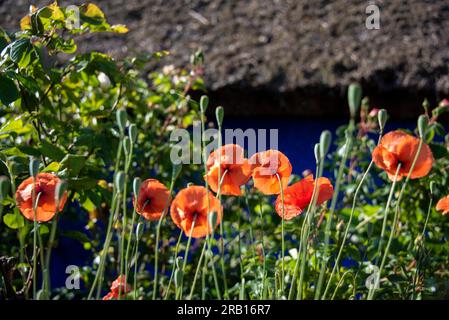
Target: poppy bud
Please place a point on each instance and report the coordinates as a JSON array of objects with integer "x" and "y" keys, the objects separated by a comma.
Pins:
[
  {"x": 354, "y": 98},
  {"x": 219, "y": 113},
  {"x": 423, "y": 121},
  {"x": 61, "y": 188},
  {"x": 127, "y": 146},
  {"x": 34, "y": 167},
  {"x": 136, "y": 186},
  {"x": 316, "y": 150},
  {"x": 178, "y": 262},
  {"x": 120, "y": 181},
  {"x": 432, "y": 187},
  {"x": 176, "y": 170},
  {"x": 325, "y": 142},
  {"x": 122, "y": 117},
  {"x": 4, "y": 187},
  {"x": 178, "y": 277},
  {"x": 139, "y": 230},
  {"x": 382, "y": 117},
  {"x": 212, "y": 220},
  {"x": 133, "y": 133},
  {"x": 204, "y": 102}
]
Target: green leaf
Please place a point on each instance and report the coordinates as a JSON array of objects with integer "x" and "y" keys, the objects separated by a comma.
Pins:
[
  {"x": 8, "y": 90},
  {"x": 21, "y": 52},
  {"x": 52, "y": 167},
  {"x": 73, "y": 164},
  {"x": 439, "y": 151},
  {"x": 14, "y": 220},
  {"x": 51, "y": 151},
  {"x": 76, "y": 235},
  {"x": 82, "y": 183}
]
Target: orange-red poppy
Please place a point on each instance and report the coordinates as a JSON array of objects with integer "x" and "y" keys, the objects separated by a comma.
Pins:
[
  {"x": 191, "y": 205},
  {"x": 267, "y": 167},
  {"x": 152, "y": 200},
  {"x": 398, "y": 147},
  {"x": 298, "y": 196},
  {"x": 45, "y": 186},
  {"x": 234, "y": 169},
  {"x": 443, "y": 205},
  {"x": 115, "y": 288}
]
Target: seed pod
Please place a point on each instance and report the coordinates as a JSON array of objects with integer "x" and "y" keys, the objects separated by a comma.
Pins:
[
  {"x": 120, "y": 181},
  {"x": 122, "y": 117},
  {"x": 136, "y": 186},
  {"x": 127, "y": 146},
  {"x": 139, "y": 230},
  {"x": 212, "y": 220},
  {"x": 325, "y": 143},
  {"x": 178, "y": 277},
  {"x": 354, "y": 98},
  {"x": 34, "y": 167},
  {"x": 61, "y": 188},
  {"x": 133, "y": 133},
  {"x": 219, "y": 113},
  {"x": 382, "y": 117},
  {"x": 432, "y": 187},
  {"x": 423, "y": 121},
  {"x": 204, "y": 102},
  {"x": 316, "y": 150}
]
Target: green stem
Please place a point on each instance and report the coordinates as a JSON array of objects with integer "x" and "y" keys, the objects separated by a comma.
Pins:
[
  {"x": 186, "y": 256},
  {"x": 305, "y": 237},
  {"x": 327, "y": 232},
  {"x": 197, "y": 271},
  {"x": 263, "y": 248},
  {"x": 387, "y": 208},
  {"x": 345, "y": 235},
  {"x": 396, "y": 214},
  {"x": 167, "y": 293},
  {"x": 158, "y": 231},
  {"x": 281, "y": 187},
  {"x": 99, "y": 275}
]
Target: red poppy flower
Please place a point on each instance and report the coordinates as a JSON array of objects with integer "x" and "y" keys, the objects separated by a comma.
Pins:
[
  {"x": 398, "y": 147},
  {"x": 115, "y": 288},
  {"x": 191, "y": 204},
  {"x": 267, "y": 167},
  {"x": 298, "y": 196},
  {"x": 443, "y": 205},
  {"x": 152, "y": 200},
  {"x": 234, "y": 169},
  {"x": 45, "y": 195}
]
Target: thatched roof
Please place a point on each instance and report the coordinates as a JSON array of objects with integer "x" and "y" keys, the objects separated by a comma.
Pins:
[{"x": 292, "y": 55}]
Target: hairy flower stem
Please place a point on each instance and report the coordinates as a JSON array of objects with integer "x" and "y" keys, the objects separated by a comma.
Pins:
[
  {"x": 175, "y": 255},
  {"x": 223, "y": 270},
  {"x": 385, "y": 218},
  {"x": 423, "y": 234},
  {"x": 209, "y": 248},
  {"x": 281, "y": 188},
  {"x": 345, "y": 235},
  {"x": 192, "y": 289},
  {"x": 123, "y": 258},
  {"x": 98, "y": 281},
  {"x": 185, "y": 258},
  {"x": 50, "y": 247},
  {"x": 263, "y": 248},
  {"x": 300, "y": 246},
  {"x": 396, "y": 216},
  {"x": 305, "y": 236},
  {"x": 327, "y": 231},
  {"x": 158, "y": 232}
]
